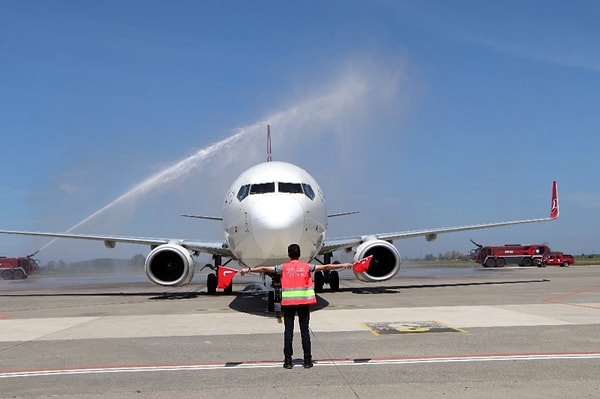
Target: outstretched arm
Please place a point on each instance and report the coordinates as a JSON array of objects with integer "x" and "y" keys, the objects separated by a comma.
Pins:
[
  {"x": 333, "y": 266},
  {"x": 257, "y": 269},
  {"x": 271, "y": 269}
]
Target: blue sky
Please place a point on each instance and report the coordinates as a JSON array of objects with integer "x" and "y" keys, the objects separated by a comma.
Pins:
[{"x": 416, "y": 113}]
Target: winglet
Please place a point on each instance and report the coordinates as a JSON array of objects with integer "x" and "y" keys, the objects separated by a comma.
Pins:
[{"x": 554, "y": 206}]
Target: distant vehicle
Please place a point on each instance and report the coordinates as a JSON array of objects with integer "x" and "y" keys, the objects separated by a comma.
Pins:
[
  {"x": 499, "y": 256},
  {"x": 17, "y": 268},
  {"x": 557, "y": 258}
]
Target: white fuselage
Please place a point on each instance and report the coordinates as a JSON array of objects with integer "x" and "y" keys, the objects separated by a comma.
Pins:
[{"x": 271, "y": 206}]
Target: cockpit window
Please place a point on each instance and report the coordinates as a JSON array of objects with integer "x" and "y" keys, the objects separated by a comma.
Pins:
[
  {"x": 243, "y": 192},
  {"x": 262, "y": 188},
  {"x": 294, "y": 188},
  {"x": 308, "y": 191}
]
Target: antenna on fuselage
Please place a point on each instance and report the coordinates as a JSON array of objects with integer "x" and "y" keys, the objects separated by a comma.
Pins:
[{"x": 269, "y": 159}]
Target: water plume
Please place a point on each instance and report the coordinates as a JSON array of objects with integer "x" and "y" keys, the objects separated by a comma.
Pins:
[
  {"x": 171, "y": 173},
  {"x": 350, "y": 95}
]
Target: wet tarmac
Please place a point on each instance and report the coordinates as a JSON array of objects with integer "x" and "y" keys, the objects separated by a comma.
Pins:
[{"x": 433, "y": 332}]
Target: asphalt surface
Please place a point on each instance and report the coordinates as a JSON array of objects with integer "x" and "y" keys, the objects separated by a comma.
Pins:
[{"x": 431, "y": 332}]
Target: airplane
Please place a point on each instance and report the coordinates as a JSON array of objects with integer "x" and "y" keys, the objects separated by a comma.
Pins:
[{"x": 269, "y": 206}]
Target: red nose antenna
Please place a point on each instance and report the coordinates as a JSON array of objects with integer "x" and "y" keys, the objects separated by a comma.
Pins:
[{"x": 269, "y": 159}]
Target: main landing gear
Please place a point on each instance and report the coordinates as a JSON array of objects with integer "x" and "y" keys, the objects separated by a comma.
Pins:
[
  {"x": 274, "y": 297},
  {"x": 330, "y": 277},
  {"x": 212, "y": 279}
]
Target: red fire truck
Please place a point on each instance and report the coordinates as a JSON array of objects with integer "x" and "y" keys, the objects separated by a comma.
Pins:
[
  {"x": 519, "y": 254},
  {"x": 17, "y": 268}
]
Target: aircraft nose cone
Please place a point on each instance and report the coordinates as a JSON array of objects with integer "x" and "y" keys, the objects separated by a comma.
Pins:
[{"x": 276, "y": 223}]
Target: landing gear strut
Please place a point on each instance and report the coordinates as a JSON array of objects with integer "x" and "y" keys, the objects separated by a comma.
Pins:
[
  {"x": 212, "y": 279},
  {"x": 274, "y": 299},
  {"x": 330, "y": 277}
]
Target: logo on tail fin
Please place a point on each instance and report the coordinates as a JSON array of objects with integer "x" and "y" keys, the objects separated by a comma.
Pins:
[{"x": 554, "y": 208}]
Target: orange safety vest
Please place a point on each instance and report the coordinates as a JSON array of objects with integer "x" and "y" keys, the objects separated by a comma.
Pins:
[{"x": 296, "y": 284}]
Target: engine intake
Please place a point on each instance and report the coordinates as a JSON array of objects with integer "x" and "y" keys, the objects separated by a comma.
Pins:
[
  {"x": 169, "y": 265},
  {"x": 385, "y": 263}
]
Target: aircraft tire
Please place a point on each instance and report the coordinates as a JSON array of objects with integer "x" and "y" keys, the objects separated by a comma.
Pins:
[
  {"x": 334, "y": 281},
  {"x": 271, "y": 302},
  {"x": 229, "y": 288},
  {"x": 211, "y": 283},
  {"x": 319, "y": 281}
]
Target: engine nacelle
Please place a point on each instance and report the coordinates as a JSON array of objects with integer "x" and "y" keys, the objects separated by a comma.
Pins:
[
  {"x": 169, "y": 265},
  {"x": 385, "y": 263}
]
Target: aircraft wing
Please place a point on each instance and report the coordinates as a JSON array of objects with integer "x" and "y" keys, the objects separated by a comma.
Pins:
[
  {"x": 211, "y": 247},
  {"x": 431, "y": 234}
]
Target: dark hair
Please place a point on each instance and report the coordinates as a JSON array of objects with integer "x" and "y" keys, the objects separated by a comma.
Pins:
[{"x": 294, "y": 251}]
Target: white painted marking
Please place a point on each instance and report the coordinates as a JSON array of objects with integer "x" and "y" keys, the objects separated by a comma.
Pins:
[{"x": 318, "y": 363}]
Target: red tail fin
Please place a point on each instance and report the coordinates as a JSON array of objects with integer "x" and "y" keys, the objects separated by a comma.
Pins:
[{"x": 554, "y": 206}]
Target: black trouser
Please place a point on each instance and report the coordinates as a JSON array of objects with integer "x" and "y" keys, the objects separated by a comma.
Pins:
[{"x": 289, "y": 314}]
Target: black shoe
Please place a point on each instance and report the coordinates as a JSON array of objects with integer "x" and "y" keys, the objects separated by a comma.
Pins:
[
  {"x": 287, "y": 363},
  {"x": 308, "y": 362}
]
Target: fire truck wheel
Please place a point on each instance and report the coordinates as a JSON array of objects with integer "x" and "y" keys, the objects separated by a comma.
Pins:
[
  {"x": 490, "y": 263},
  {"x": 7, "y": 275},
  {"x": 500, "y": 262},
  {"x": 19, "y": 275}
]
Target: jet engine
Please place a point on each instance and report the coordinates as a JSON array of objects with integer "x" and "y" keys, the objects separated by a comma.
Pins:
[
  {"x": 169, "y": 265},
  {"x": 385, "y": 263}
]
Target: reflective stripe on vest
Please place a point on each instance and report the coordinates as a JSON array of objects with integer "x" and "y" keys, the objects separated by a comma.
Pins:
[{"x": 296, "y": 284}]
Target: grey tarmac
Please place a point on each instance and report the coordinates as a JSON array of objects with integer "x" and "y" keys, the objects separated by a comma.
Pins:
[{"x": 432, "y": 332}]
